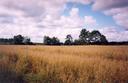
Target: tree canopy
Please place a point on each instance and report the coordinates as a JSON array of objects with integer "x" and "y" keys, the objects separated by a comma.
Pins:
[
  {"x": 69, "y": 40},
  {"x": 18, "y": 40},
  {"x": 85, "y": 38},
  {"x": 94, "y": 37},
  {"x": 51, "y": 41}
]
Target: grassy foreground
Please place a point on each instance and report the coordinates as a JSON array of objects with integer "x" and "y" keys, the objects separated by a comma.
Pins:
[{"x": 62, "y": 64}]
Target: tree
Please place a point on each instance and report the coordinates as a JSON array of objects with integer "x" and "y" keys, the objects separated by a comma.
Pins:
[
  {"x": 51, "y": 41},
  {"x": 104, "y": 40},
  {"x": 84, "y": 36},
  {"x": 6, "y": 41},
  {"x": 97, "y": 37},
  {"x": 77, "y": 42},
  {"x": 55, "y": 41},
  {"x": 18, "y": 39},
  {"x": 69, "y": 40},
  {"x": 47, "y": 40},
  {"x": 94, "y": 37},
  {"x": 27, "y": 40}
]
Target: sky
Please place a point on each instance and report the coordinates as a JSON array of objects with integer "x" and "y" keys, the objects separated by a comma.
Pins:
[{"x": 37, "y": 18}]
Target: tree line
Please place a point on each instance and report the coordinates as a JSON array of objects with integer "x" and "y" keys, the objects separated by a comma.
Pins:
[
  {"x": 17, "y": 40},
  {"x": 85, "y": 38}
]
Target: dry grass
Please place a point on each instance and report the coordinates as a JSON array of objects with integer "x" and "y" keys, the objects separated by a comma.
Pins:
[{"x": 62, "y": 64}]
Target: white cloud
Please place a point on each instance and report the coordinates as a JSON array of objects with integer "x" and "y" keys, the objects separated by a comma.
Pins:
[
  {"x": 118, "y": 9},
  {"x": 49, "y": 22},
  {"x": 25, "y": 16},
  {"x": 122, "y": 19},
  {"x": 40, "y": 7},
  {"x": 81, "y": 1},
  {"x": 103, "y": 5},
  {"x": 64, "y": 25},
  {"x": 74, "y": 12},
  {"x": 71, "y": 21},
  {"x": 89, "y": 20},
  {"x": 44, "y": 17},
  {"x": 120, "y": 15},
  {"x": 112, "y": 34}
]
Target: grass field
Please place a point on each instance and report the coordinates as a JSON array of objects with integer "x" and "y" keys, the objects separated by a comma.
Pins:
[{"x": 63, "y": 64}]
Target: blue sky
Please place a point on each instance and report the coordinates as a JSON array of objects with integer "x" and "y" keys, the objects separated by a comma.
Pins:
[
  {"x": 37, "y": 18},
  {"x": 86, "y": 10}
]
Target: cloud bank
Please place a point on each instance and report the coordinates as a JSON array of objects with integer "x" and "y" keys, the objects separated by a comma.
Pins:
[
  {"x": 45, "y": 17},
  {"x": 118, "y": 9}
]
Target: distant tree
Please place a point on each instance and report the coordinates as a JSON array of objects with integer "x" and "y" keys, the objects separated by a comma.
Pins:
[
  {"x": 104, "y": 40},
  {"x": 47, "y": 40},
  {"x": 84, "y": 36},
  {"x": 18, "y": 39},
  {"x": 55, "y": 41},
  {"x": 27, "y": 40},
  {"x": 94, "y": 37},
  {"x": 51, "y": 41},
  {"x": 69, "y": 40},
  {"x": 77, "y": 42},
  {"x": 97, "y": 37},
  {"x": 6, "y": 41}
]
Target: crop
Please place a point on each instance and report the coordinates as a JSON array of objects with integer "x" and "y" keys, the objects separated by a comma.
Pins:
[{"x": 63, "y": 64}]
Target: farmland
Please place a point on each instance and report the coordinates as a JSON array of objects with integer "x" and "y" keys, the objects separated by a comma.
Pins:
[{"x": 63, "y": 64}]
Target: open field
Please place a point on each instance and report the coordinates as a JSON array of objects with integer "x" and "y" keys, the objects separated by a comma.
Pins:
[{"x": 63, "y": 64}]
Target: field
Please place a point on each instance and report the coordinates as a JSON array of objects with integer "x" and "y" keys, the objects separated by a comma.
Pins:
[{"x": 63, "y": 64}]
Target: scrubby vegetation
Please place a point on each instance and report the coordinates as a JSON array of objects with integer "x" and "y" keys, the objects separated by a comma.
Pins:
[
  {"x": 85, "y": 38},
  {"x": 16, "y": 40},
  {"x": 62, "y": 64}
]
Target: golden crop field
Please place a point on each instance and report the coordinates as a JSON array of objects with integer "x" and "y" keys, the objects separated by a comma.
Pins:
[{"x": 63, "y": 64}]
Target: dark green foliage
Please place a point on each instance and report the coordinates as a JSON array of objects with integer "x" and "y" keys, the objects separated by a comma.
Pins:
[
  {"x": 6, "y": 41},
  {"x": 69, "y": 40},
  {"x": 51, "y": 41},
  {"x": 84, "y": 36},
  {"x": 94, "y": 37},
  {"x": 27, "y": 40},
  {"x": 97, "y": 37},
  {"x": 18, "y": 40}
]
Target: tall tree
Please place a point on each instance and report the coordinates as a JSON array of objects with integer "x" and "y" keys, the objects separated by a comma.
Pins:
[
  {"x": 55, "y": 41},
  {"x": 69, "y": 40},
  {"x": 94, "y": 37},
  {"x": 84, "y": 36},
  {"x": 97, "y": 37},
  {"x": 18, "y": 39},
  {"x": 47, "y": 40}
]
